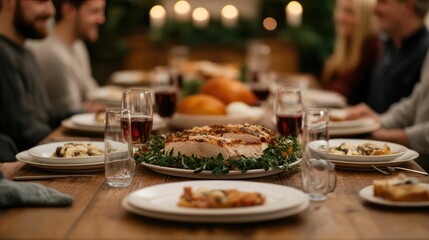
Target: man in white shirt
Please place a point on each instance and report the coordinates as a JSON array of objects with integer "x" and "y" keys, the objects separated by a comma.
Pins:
[{"x": 63, "y": 57}]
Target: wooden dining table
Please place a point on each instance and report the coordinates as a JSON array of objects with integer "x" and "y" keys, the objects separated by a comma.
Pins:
[{"x": 97, "y": 212}]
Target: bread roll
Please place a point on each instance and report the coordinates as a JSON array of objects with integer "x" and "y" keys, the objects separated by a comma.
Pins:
[
  {"x": 228, "y": 91},
  {"x": 201, "y": 104}
]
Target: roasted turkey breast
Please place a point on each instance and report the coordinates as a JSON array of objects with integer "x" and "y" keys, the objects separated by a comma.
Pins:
[{"x": 231, "y": 141}]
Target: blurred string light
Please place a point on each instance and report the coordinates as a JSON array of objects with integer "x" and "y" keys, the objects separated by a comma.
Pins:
[
  {"x": 229, "y": 16},
  {"x": 158, "y": 16},
  {"x": 182, "y": 10},
  {"x": 200, "y": 17},
  {"x": 269, "y": 23},
  {"x": 294, "y": 13}
]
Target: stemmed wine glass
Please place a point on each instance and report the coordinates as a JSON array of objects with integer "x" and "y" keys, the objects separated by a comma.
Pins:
[
  {"x": 164, "y": 84},
  {"x": 139, "y": 103},
  {"x": 288, "y": 110}
]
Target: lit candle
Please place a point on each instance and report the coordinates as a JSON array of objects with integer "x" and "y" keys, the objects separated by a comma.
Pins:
[
  {"x": 158, "y": 16},
  {"x": 200, "y": 17},
  {"x": 294, "y": 14},
  {"x": 229, "y": 16},
  {"x": 182, "y": 11}
]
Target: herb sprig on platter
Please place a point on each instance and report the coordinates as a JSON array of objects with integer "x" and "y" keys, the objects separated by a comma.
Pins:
[{"x": 278, "y": 155}]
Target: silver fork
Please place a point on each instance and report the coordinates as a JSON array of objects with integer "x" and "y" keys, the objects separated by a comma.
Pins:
[
  {"x": 391, "y": 169},
  {"x": 382, "y": 171}
]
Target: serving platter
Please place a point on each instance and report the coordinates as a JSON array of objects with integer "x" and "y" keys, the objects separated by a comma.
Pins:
[
  {"x": 367, "y": 194},
  {"x": 233, "y": 174},
  {"x": 161, "y": 201}
]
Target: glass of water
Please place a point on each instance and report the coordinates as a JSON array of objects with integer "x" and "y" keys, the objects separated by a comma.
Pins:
[
  {"x": 318, "y": 173},
  {"x": 119, "y": 163}
]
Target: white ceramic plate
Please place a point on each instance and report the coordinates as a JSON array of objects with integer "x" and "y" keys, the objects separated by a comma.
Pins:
[
  {"x": 367, "y": 194},
  {"x": 397, "y": 148},
  {"x": 109, "y": 95},
  {"x": 163, "y": 198},
  {"x": 369, "y": 126},
  {"x": 158, "y": 124},
  {"x": 409, "y": 155},
  {"x": 216, "y": 219},
  {"x": 185, "y": 121},
  {"x": 28, "y": 159},
  {"x": 177, "y": 172},
  {"x": 43, "y": 153},
  {"x": 87, "y": 119},
  {"x": 351, "y": 123},
  {"x": 128, "y": 77},
  {"x": 323, "y": 98}
]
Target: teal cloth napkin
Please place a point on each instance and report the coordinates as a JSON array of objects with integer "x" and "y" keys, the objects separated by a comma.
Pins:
[{"x": 14, "y": 194}]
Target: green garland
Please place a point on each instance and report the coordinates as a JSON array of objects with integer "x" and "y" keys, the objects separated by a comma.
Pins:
[{"x": 278, "y": 155}]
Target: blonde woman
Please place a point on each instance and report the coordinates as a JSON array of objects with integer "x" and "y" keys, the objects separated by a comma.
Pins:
[{"x": 356, "y": 50}]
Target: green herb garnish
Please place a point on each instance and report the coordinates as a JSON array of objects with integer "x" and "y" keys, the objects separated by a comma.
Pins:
[{"x": 278, "y": 155}]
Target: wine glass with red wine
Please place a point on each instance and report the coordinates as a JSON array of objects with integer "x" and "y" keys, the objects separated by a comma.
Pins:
[
  {"x": 139, "y": 103},
  {"x": 288, "y": 110},
  {"x": 259, "y": 83},
  {"x": 165, "y": 86}
]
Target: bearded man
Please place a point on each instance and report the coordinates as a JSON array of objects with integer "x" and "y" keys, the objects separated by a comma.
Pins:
[
  {"x": 63, "y": 57},
  {"x": 25, "y": 112}
]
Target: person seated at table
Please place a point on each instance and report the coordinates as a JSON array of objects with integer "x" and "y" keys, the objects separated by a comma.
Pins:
[
  {"x": 406, "y": 41},
  {"x": 406, "y": 122},
  {"x": 63, "y": 57},
  {"x": 26, "y": 113},
  {"x": 8, "y": 149},
  {"x": 356, "y": 50}
]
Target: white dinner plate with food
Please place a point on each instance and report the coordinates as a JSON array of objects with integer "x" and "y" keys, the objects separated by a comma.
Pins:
[
  {"x": 45, "y": 153},
  {"x": 87, "y": 119},
  {"x": 365, "y": 126},
  {"x": 409, "y": 155},
  {"x": 25, "y": 157},
  {"x": 185, "y": 121},
  {"x": 233, "y": 174},
  {"x": 367, "y": 194},
  {"x": 164, "y": 198},
  {"x": 386, "y": 150},
  {"x": 128, "y": 77},
  {"x": 351, "y": 123}
]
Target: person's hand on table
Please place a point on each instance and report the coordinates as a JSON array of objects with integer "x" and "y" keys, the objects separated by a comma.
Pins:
[{"x": 361, "y": 111}]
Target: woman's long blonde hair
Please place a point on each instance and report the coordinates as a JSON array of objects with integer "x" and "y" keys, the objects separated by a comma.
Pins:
[{"x": 348, "y": 52}]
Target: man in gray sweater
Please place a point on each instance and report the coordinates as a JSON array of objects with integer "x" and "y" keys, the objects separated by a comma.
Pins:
[{"x": 406, "y": 122}]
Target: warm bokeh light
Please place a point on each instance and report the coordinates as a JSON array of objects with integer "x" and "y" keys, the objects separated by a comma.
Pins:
[
  {"x": 294, "y": 7},
  {"x": 229, "y": 11},
  {"x": 270, "y": 23},
  {"x": 182, "y": 7},
  {"x": 157, "y": 11},
  {"x": 200, "y": 14}
]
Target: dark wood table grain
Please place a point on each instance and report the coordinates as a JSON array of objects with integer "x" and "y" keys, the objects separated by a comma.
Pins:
[{"x": 97, "y": 212}]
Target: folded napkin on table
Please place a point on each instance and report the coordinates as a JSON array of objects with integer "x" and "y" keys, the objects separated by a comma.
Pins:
[{"x": 13, "y": 194}]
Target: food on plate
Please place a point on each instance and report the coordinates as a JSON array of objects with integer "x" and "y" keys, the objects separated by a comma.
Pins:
[
  {"x": 365, "y": 149},
  {"x": 231, "y": 141},
  {"x": 201, "y": 104},
  {"x": 100, "y": 116},
  {"x": 81, "y": 149},
  {"x": 228, "y": 91},
  {"x": 222, "y": 148},
  {"x": 401, "y": 188},
  {"x": 217, "y": 198}
]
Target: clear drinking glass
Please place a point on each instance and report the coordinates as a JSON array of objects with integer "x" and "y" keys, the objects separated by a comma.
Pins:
[
  {"x": 288, "y": 110},
  {"x": 318, "y": 174},
  {"x": 139, "y": 103},
  {"x": 165, "y": 86},
  {"x": 119, "y": 163}
]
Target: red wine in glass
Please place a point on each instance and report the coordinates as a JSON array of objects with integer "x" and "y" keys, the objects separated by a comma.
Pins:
[
  {"x": 141, "y": 128},
  {"x": 261, "y": 91},
  {"x": 166, "y": 102},
  {"x": 289, "y": 125}
]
